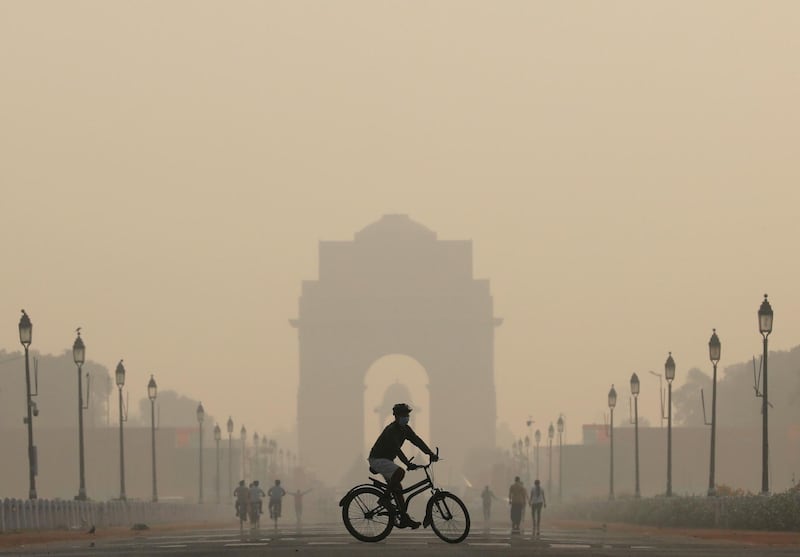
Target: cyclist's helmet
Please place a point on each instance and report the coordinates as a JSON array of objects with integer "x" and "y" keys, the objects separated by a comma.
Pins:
[{"x": 401, "y": 409}]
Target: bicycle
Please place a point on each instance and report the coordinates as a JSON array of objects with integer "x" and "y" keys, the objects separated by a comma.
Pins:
[
  {"x": 255, "y": 516},
  {"x": 369, "y": 519}
]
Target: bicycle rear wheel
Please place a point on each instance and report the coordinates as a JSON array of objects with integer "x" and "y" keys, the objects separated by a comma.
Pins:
[
  {"x": 449, "y": 517},
  {"x": 364, "y": 517}
]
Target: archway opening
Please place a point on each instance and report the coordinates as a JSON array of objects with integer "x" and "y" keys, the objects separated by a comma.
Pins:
[{"x": 389, "y": 380}]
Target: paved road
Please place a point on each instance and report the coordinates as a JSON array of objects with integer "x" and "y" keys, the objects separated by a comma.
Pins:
[{"x": 334, "y": 540}]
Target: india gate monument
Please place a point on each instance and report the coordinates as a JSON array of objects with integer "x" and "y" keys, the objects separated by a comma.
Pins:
[{"x": 395, "y": 289}]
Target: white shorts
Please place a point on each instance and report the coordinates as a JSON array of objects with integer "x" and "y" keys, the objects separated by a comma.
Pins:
[{"x": 383, "y": 466}]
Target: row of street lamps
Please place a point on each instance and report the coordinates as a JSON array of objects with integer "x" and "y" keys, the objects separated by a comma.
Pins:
[
  {"x": 551, "y": 430},
  {"x": 79, "y": 357},
  {"x": 765, "y": 318}
]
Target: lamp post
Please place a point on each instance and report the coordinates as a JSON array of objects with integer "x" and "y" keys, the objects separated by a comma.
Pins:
[
  {"x": 79, "y": 356},
  {"x": 255, "y": 455},
  {"x": 635, "y": 393},
  {"x": 152, "y": 392},
  {"x": 612, "y": 402},
  {"x": 230, "y": 454},
  {"x": 528, "y": 460},
  {"x": 120, "y": 379},
  {"x": 25, "y": 338},
  {"x": 560, "y": 426},
  {"x": 201, "y": 415},
  {"x": 765, "y": 328},
  {"x": 217, "y": 437},
  {"x": 538, "y": 438},
  {"x": 551, "y": 431},
  {"x": 243, "y": 437},
  {"x": 264, "y": 444},
  {"x": 714, "y": 349},
  {"x": 669, "y": 375}
]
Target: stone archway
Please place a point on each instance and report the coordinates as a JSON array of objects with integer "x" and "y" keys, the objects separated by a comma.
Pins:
[{"x": 394, "y": 289}]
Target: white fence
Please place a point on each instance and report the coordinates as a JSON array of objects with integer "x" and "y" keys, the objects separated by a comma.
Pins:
[{"x": 45, "y": 514}]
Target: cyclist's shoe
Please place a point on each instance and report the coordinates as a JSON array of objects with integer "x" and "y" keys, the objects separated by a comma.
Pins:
[{"x": 407, "y": 522}]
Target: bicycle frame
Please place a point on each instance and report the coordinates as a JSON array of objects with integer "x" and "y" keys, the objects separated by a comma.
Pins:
[{"x": 412, "y": 491}]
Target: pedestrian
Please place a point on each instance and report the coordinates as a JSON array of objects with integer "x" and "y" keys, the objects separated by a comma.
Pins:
[
  {"x": 517, "y": 497},
  {"x": 298, "y": 504},
  {"x": 487, "y": 495},
  {"x": 537, "y": 502}
]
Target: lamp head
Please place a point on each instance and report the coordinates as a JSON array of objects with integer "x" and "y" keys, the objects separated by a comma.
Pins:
[
  {"x": 119, "y": 374},
  {"x": 201, "y": 413},
  {"x": 764, "y": 318},
  {"x": 217, "y": 433},
  {"x": 714, "y": 347},
  {"x": 152, "y": 388},
  {"x": 537, "y": 436},
  {"x": 612, "y": 397},
  {"x": 669, "y": 368},
  {"x": 25, "y": 329},
  {"x": 635, "y": 385},
  {"x": 243, "y": 434},
  {"x": 230, "y": 425},
  {"x": 551, "y": 431},
  {"x": 560, "y": 424},
  {"x": 78, "y": 349}
]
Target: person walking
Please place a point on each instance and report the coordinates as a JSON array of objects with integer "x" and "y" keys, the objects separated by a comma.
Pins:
[
  {"x": 537, "y": 502},
  {"x": 487, "y": 495},
  {"x": 298, "y": 504},
  {"x": 517, "y": 497}
]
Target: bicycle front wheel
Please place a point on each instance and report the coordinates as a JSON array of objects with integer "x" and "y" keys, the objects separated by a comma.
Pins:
[
  {"x": 449, "y": 517},
  {"x": 364, "y": 517}
]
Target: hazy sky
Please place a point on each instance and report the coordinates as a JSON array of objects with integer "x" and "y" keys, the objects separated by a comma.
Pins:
[{"x": 627, "y": 171}]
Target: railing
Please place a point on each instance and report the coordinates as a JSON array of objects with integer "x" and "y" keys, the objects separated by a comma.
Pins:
[{"x": 45, "y": 514}]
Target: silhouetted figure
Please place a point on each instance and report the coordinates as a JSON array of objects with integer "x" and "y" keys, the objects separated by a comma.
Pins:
[
  {"x": 92, "y": 530},
  {"x": 517, "y": 498},
  {"x": 256, "y": 493},
  {"x": 537, "y": 502},
  {"x": 276, "y": 493},
  {"x": 487, "y": 495},
  {"x": 387, "y": 448},
  {"x": 242, "y": 494},
  {"x": 298, "y": 504}
]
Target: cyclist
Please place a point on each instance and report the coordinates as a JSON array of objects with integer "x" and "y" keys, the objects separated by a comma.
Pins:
[
  {"x": 256, "y": 493},
  {"x": 242, "y": 494},
  {"x": 276, "y": 493},
  {"x": 387, "y": 448}
]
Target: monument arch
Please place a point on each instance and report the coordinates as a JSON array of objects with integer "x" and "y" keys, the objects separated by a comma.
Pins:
[{"x": 395, "y": 289}]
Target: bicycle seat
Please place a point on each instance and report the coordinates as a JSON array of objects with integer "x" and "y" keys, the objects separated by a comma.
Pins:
[{"x": 372, "y": 470}]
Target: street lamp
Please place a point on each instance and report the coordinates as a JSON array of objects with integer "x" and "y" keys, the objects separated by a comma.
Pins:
[
  {"x": 560, "y": 426},
  {"x": 243, "y": 437},
  {"x": 152, "y": 392},
  {"x": 765, "y": 328},
  {"x": 201, "y": 415},
  {"x": 255, "y": 455},
  {"x": 538, "y": 438},
  {"x": 230, "y": 454},
  {"x": 635, "y": 393},
  {"x": 217, "y": 437},
  {"x": 263, "y": 470},
  {"x": 612, "y": 402},
  {"x": 551, "y": 431},
  {"x": 25, "y": 337},
  {"x": 79, "y": 356},
  {"x": 527, "y": 460},
  {"x": 714, "y": 349},
  {"x": 120, "y": 379},
  {"x": 669, "y": 375}
]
